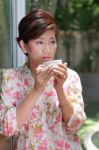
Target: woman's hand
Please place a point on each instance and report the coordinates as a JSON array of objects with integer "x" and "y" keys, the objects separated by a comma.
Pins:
[
  {"x": 60, "y": 75},
  {"x": 42, "y": 76}
]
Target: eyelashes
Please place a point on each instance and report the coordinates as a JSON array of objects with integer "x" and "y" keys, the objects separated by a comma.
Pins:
[{"x": 43, "y": 43}]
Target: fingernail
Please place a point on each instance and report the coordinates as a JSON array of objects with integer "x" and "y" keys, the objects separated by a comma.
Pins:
[{"x": 65, "y": 63}]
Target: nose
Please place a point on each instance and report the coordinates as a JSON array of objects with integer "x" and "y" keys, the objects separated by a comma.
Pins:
[{"x": 46, "y": 48}]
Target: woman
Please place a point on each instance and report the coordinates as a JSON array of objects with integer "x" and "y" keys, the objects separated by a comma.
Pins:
[{"x": 41, "y": 106}]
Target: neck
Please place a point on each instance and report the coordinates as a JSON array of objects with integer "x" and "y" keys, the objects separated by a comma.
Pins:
[{"x": 32, "y": 66}]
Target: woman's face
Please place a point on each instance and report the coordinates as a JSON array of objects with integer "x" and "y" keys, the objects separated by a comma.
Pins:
[{"x": 43, "y": 48}]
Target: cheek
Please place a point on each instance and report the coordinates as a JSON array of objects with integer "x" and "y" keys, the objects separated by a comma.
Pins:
[
  {"x": 54, "y": 50},
  {"x": 35, "y": 54}
]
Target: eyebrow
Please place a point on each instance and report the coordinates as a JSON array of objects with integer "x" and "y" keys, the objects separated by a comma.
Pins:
[{"x": 41, "y": 38}]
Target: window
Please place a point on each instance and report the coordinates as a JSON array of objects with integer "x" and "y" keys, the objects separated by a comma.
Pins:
[
  {"x": 5, "y": 34},
  {"x": 11, "y": 11}
]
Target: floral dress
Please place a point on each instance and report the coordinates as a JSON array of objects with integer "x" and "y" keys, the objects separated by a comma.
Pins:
[{"x": 44, "y": 128}]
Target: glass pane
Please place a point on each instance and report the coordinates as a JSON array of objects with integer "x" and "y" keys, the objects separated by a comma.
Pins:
[
  {"x": 5, "y": 52},
  {"x": 5, "y": 26}
]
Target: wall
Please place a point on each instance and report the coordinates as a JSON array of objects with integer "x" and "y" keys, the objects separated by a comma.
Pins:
[{"x": 90, "y": 84}]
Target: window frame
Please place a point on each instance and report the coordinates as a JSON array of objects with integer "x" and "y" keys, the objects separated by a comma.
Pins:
[{"x": 17, "y": 12}]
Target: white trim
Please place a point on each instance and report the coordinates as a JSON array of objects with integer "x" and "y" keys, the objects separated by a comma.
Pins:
[
  {"x": 88, "y": 144},
  {"x": 18, "y": 11}
]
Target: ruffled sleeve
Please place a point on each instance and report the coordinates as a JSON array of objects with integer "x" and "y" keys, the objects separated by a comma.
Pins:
[
  {"x": 8, "y": 124},
  {"x": 73, "y": 91}
]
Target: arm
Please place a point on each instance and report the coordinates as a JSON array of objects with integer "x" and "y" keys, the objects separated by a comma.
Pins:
[
  {"x": 13, "y": 117},
  {"x": 69, "y": 92},
  {"x": 26, "y": 106},
  {"x": 65, "y": 105},
  {"x": 73, "y": 92}
]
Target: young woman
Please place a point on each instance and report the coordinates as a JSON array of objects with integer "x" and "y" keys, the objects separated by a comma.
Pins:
[{"x": 41, "y": 106}]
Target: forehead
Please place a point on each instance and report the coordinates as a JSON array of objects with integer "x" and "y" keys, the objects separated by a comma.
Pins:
[{"x": 48, "y": 33}]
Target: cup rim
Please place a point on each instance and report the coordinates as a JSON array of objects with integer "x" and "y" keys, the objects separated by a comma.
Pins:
[{"x": 55, "y": 61}]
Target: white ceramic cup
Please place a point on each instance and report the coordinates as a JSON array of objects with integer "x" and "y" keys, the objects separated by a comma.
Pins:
[{"x": 55, "y": 62}]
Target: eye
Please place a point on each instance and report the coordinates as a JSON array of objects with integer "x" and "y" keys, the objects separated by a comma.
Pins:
[
  {"x": 53, "y": 42},
  {"x": 39, "y": 42}
]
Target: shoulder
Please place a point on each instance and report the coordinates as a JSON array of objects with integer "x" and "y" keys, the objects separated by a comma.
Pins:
[
  {"x": 73, "y": 78},
  {"x": 72, "y": 74},
  {"x": 73, "y": 81},
  {"x": 11, "y": 74}
]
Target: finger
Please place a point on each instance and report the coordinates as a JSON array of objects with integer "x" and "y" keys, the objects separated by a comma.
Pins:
[
  {"x": 61, "y": 67},
  {"x": 60, "y": 71},
  {"x": 47, "y": 77},
  {"x": 39, "y": 69},
  {"x": 64, "y": 66},
  {"x": 47, "y": 72}
]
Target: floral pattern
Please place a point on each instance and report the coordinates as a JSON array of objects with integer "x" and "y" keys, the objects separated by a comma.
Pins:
[{"x": 44, "y": 128}]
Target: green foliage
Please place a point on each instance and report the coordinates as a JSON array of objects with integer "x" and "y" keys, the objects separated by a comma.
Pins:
[
  {"x": 78, "y": 15},
  {"x": 92, "y": 120},
  {"x": 75, "y": 15},
  {"x": 48, "y": 5},
  {"x": 89, "y": 59},
  {"x": 86, "y": 128}
]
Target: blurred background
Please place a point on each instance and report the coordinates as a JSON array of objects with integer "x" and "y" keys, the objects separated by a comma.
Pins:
[{"x": 78, "y": 22}]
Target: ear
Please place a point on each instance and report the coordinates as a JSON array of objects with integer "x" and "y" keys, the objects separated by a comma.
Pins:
[{"x": 23, "y": 46}]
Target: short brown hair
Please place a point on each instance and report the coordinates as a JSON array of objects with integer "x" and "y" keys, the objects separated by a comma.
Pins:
[{"x": 35, "y": 24}]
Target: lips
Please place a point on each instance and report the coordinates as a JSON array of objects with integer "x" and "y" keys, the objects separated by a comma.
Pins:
[{"x": 46, "y": 58}]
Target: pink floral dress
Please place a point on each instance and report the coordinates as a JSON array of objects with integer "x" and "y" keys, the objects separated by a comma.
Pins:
[{"x": 44, "y": 128}]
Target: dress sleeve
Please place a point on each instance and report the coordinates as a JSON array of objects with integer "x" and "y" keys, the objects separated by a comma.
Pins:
[
  {"x": 74, "y": 94},
  {"x": 8, "y": 124}
]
